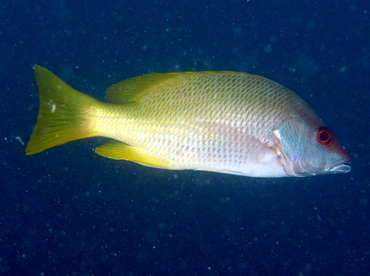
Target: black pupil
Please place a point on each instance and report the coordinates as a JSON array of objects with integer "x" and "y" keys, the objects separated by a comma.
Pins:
[{"x": 324, "y": 136}]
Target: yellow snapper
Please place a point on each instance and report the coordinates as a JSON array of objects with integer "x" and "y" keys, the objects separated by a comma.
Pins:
[{"x": 227, "y": 122}]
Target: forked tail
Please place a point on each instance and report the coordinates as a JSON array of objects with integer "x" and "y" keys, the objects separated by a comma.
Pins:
[{"x": 63, "y": 113}]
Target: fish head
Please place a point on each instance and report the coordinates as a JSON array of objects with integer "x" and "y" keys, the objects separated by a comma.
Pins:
[{"x": 307, "y": 147}]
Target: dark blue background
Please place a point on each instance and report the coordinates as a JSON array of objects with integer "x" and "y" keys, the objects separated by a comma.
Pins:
[{"x": 68, "y": 211}]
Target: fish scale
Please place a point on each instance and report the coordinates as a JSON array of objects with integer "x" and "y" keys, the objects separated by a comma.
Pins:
[
  {"x": 181, "y": 113},
  {"x": 231, "y": 104},
  {"x": 230, "y": 122}
]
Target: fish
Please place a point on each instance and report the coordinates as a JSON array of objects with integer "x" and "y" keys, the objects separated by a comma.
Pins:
[{"x": 219, "y": 121}]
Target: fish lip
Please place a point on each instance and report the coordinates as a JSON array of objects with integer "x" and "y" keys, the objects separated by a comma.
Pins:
[{"x": 343, "y": 168}]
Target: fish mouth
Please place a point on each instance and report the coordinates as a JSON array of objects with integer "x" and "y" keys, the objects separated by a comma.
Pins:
[
  {"x": 342, "y": 166},
  {"x": 333, "y": 169},
  {"x": 340, "y": 169}
]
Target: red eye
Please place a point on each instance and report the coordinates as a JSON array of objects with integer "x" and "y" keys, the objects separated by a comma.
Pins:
[{"x": 324, "y": 136}]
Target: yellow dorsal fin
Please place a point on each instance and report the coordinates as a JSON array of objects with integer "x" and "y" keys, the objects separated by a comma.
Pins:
[
  {"x": 134, "y": 89},
  {"x": 118, "y": 150},
  {"x": 131, "y": 90}
]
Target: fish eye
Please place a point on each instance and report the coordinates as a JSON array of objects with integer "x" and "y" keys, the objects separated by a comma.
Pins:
[{"x": 324, "y": 136}]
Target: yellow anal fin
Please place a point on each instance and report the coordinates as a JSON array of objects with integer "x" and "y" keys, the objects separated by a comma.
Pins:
[{"x": 118, "y": 150}]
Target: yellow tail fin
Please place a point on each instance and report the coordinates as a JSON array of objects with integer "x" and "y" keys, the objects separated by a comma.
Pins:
[{"x": 62, "y": 113}]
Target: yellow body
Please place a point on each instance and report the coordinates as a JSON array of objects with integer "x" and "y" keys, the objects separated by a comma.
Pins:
[{"x": 214, "y": 121}]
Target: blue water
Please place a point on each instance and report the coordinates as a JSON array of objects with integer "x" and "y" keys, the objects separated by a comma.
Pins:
[{"x": 68, "y": 211}]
